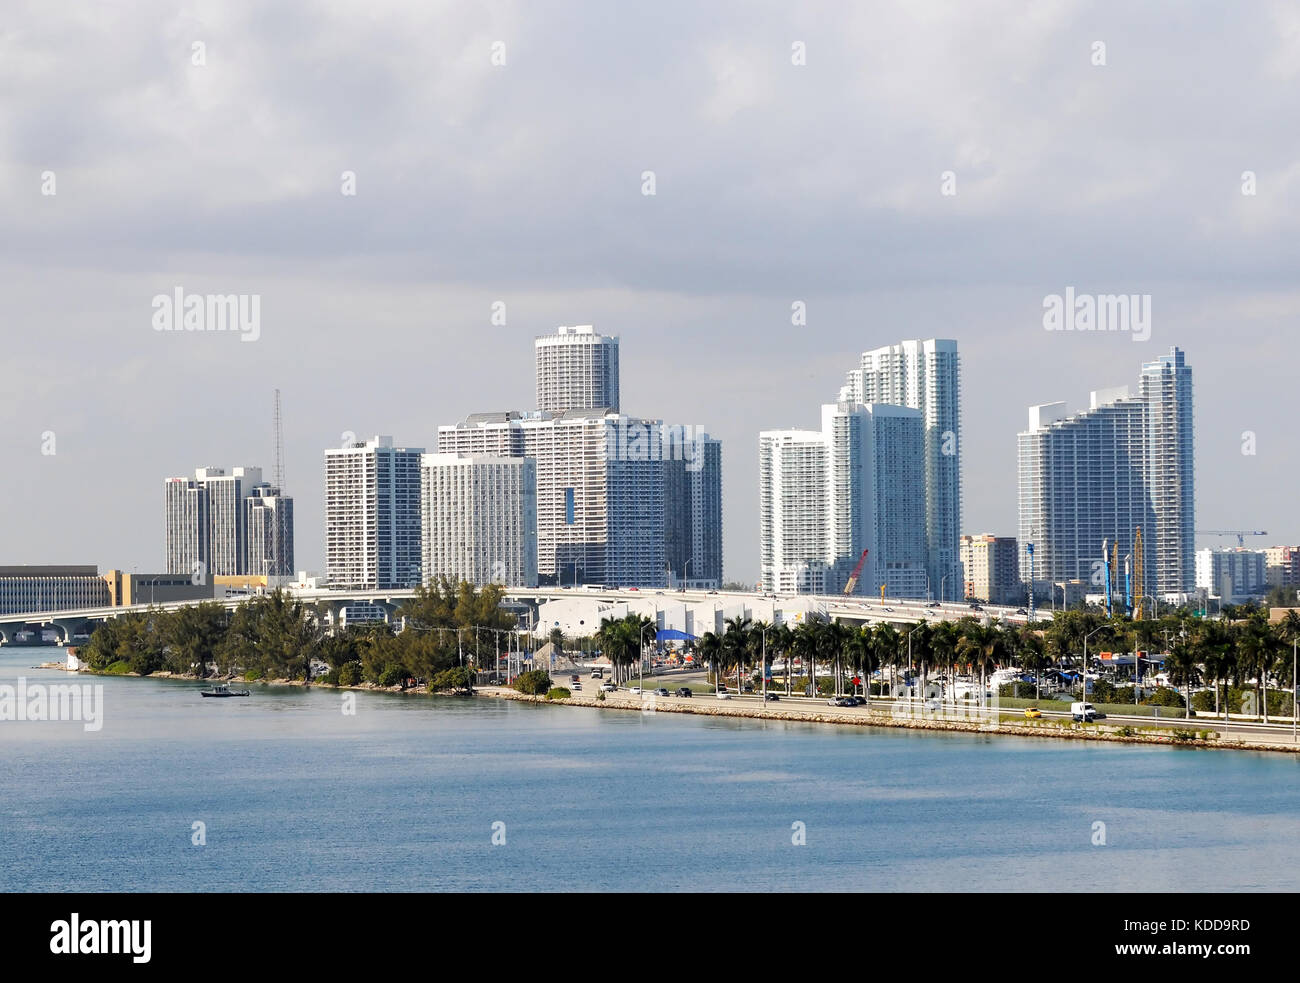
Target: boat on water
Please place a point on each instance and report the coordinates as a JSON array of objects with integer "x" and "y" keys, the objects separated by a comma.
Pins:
[{"x": 221, "y": 689}]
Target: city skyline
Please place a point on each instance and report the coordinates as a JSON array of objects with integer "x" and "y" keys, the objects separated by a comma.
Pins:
[{"x": 776, "y": 248}]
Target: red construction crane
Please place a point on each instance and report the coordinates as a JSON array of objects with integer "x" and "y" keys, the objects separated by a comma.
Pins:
[{"x": 857, "y": 572}]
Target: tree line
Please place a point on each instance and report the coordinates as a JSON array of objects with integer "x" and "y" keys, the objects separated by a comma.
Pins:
[
  {"x": 451, "y": 630},
  {"x": 1242, "y": 648}
]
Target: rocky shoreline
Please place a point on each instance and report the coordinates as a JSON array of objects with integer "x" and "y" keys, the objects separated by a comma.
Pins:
[{"x": 1167, "y": 737}]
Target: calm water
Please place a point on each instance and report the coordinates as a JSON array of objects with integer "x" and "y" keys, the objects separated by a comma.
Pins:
[{"x": 403, "y": 797}]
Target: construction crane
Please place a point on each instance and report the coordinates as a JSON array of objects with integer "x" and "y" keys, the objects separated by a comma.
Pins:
[
  {"x": 857, "y": 572},
  {"x": 1241, "y": 534}
]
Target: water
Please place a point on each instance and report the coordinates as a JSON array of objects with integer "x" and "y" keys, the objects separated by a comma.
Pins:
[{"x": 403, "y": 797}]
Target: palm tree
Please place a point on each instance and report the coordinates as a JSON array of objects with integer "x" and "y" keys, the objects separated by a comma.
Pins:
[
  {"x": 1182, "y": 669},
  {"x": 735, "y": 643},
  {"x": 805, "y": 646},
  {"x": 884, "y": 639},
  {"x": 943, "y": 644},
  {"x": 709, "y": 648},
  {"x": 981, "y": 643},
  {"x": 861, "y": 655}
]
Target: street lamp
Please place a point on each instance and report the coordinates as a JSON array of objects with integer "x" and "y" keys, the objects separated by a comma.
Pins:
[
  {"x": 1083, "y": 677},
  {"x": 942, "y": 581}
]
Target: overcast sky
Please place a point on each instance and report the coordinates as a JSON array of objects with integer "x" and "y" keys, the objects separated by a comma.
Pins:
[{"x": 522, "y": 183}]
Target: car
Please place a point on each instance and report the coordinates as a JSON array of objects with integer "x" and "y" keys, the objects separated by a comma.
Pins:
[
  {"x": 574, "y": 678},
  {"x": 607, "y": 687},
  {"x": 747, "y": 688},
  {"x": 662, "y": 692},
  {"x": 577, "y": 685},
  {"x": 634, "y": 690},
  {"x": 722, "y": 687},
  {"x": 889, "y": 609},
  {"x": 933, "y": 604},
  {"x": 1032, "y": 713},
  {"x": 597, "y": 674},
  {"x": 857, "y": 701},
  {"x": 838, "y": 701},
  {"x": 1021, "y": 611},
  {"x": 634, "y": 588},
  {"x": 683, "y": 691},
  {"x": 712, "y": 592},
  {"x": 771, "y": 698},
  {"x": 722, "y": 694}
]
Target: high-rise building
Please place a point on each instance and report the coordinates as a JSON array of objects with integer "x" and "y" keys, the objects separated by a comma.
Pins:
[
  {"x": 1089, "y": 481},
  {"x": 924, "y": 375},
  {"x": 1232, "y": 574},
  {"x": 992, "y": 568},
  {"x": 479, "y": 519},
  {"x": 577, "y": 369},
  {"x": 692, "y": 464},
  {"x": 825, "y": 496},
  {"x": 1282, "y": 566},
  {"x": 207, "y": 521},
  {"x": 270, "y": 532},
  {"x": 600, "y": 489},
  {"x": 1165, "y": 387},
  {"x": 372, "y": 515},
  {"x": 793, "y": 496}
]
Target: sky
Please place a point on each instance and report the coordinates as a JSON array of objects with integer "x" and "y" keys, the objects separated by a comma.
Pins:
[{"x": 800, "y": 154}]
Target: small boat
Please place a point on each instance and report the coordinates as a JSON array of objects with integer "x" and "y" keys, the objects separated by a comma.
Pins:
[{"x": 221, "y": 689}]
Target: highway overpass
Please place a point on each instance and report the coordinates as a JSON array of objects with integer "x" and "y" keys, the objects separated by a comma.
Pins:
[{"x": 577, "y": 610}]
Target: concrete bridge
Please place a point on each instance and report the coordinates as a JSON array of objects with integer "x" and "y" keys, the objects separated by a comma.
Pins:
[{"x": 564, "y": 607}]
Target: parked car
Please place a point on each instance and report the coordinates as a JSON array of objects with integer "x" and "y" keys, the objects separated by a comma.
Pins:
[
  {"x": 747, "y": 688},
  {"x": 683, "y": 691},
  {"x": 722, "y": 687},
  {"x": 662, "y": 692}
]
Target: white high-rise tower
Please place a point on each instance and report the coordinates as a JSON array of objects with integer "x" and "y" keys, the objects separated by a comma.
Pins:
[
  {"x": 926, "y": 376},
  {"x": 577, "y": 369}
]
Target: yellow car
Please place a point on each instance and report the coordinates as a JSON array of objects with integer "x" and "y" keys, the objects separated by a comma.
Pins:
[{"x": 1033, "y": 713}]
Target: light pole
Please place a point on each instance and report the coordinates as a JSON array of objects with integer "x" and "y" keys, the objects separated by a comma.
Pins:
[
  {"x": 942, "y": 582},
  {"x": 686, "y": 573},
  {"x": 1083, "y": 676},
  {"x": 1293, "y": 688},
  {"x": 640, "y": 665},
  {"x": 764, "y": 632}
]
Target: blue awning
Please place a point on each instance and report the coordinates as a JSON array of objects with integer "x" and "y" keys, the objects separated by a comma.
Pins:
[{"x": 673, "y": 635}]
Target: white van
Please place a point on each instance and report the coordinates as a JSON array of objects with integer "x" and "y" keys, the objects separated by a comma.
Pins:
[{"x": 1085, "y": 712}]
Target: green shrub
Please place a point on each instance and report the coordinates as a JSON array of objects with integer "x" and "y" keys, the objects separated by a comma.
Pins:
[
  {"x": 1165, "y": 697},
  {"x": 535, "y": 682},
  {"x": 1184, "y": 735},
  {"x": 331, "y": 677},
  {"x": 600, "y": 695},
  {"x": 1125, "y": 732},
  {"x": 350, "y": 674},
  {"x": 252, "y": 675},
  {"x": 392, "y": 674},
  {"x": 558, "y": 693},
  {"x": 119, "y": 668}
]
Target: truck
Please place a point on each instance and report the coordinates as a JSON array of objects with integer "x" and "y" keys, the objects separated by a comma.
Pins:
[{"x": 1085, "y": 712}]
